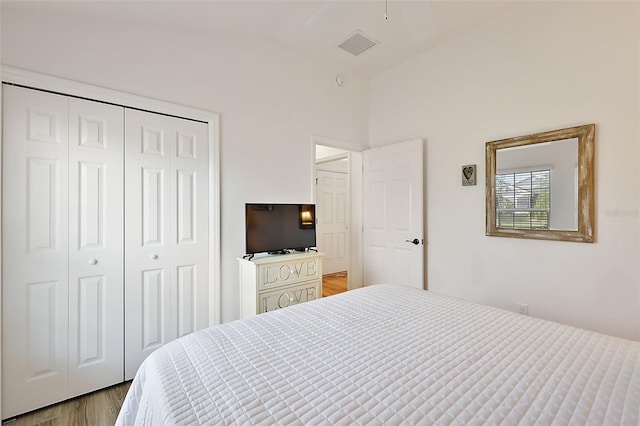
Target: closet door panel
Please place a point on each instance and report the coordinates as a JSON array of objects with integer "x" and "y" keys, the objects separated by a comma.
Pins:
[
  {"x": 96, "y": 264},
  {"x": 35, "y": 250},
  {"x": 148, "y": 291},
  {"x": 189, "y": 230},
  {"x": 153, "y": 202},
  {"x": 154, "y": 298},
  {"x": 166, "y": 230},
  {"x": 187, "y": 301}
]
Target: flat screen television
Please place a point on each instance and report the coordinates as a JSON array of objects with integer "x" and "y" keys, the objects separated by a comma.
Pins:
[{"x": 277, "y": 228}]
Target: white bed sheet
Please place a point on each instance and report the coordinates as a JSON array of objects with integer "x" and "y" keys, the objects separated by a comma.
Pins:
[{"x": 389, "y": 355}]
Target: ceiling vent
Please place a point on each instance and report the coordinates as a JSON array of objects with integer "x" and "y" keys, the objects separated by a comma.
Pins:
[{"x": 357, "y": 43}]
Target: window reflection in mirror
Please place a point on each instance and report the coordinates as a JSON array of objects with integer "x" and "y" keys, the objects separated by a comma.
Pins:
[
  {"x": 541, "y": 186},
  {"x": 537, "y": 186}
]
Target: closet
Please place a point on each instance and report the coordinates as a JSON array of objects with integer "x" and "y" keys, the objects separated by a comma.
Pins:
[{"x": 105, "y": 242}]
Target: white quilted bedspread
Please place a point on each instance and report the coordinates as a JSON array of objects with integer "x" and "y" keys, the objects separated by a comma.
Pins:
[{"x": 389, "y": 355}]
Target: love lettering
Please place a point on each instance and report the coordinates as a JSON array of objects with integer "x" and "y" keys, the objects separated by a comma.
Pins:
[
  {"x": 290, "y": 271},
  {"x": 288, "y": 298}
]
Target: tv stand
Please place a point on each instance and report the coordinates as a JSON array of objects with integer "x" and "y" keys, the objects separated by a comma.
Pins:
[{"x": 270, "y": 282}]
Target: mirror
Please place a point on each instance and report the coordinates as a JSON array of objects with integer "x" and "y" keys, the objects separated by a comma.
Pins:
[{"x": 541, "y": 186}]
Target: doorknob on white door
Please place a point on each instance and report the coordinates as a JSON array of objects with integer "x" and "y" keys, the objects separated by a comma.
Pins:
[
  {"x": 93, "y": 261},
  {"x": 415, "y": 241},
  {"x": 154, "y": 256}
]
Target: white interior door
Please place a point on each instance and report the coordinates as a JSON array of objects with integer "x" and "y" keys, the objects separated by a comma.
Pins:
[
  {"x": 35, "y": 250},
  {"x": 62, "y": 241},
  {"x": 332, "y": 212},
  {"x": 96, "y": 254},
  {"x": 190, "y": 225},
  {"x": 393, "y": 217},
  {"x": 167, "y": 235}
]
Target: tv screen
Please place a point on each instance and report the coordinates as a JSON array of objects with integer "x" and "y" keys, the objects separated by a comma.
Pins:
[{"x": 275, "y": 228}]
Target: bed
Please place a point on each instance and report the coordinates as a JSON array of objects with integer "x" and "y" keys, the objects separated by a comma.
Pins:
[{"x": 389, "y": 355}]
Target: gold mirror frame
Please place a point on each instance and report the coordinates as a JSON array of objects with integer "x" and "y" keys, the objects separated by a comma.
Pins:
[{"x": 586, "y": 201}]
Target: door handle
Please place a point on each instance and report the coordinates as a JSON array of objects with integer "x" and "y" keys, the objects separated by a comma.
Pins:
[{"x": 415, "y": 241}]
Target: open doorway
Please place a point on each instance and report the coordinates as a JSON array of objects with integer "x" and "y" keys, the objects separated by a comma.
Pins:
[
  {"x": 338, "y": 211},
  {"x": 332, "y": 211}
]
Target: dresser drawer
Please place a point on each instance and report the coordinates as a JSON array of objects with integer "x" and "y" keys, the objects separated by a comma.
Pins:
[
  {"x": 289, "y": 272},
  {"x": 289, "y": 296},
  {"x": 270, "y": 282}
]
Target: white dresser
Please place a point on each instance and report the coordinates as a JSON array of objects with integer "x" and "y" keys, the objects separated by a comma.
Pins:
[{"x": 271, "y": 282}]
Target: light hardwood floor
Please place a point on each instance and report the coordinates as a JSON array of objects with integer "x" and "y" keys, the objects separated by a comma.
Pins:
[
  {"x": 334, "y": 283},
  {"x": 95, "y": 409}
]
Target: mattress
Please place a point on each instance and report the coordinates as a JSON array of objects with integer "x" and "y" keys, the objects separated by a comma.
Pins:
[{"x": 389, "y": 355}]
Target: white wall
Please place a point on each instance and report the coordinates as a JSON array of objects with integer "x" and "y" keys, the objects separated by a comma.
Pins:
[
  {"x": 544, "y": 66},
  {"x": 271, "y": 98}
]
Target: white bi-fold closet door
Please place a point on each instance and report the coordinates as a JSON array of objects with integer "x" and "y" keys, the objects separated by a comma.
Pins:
[
  {"x": 105, "y": 242},
  {"x": 166, "y": 232},
  {"x": 62, "y": 263}
]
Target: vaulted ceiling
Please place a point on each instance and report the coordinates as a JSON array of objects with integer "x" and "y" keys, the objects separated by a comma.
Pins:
[{"x": 401, "y": 29}]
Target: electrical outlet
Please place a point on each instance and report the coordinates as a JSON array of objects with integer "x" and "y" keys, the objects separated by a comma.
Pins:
[{"x": 523, "y": 308}]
